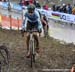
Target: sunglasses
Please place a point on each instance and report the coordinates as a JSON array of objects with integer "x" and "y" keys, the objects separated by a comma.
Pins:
[{"x": 30, "y": 11}]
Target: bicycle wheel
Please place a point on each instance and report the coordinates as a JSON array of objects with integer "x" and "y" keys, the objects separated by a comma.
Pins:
[
  {"x": 32, "y": 51},
  {"x": 4, "y": 59},
  {"x": 31, "y": 54}
]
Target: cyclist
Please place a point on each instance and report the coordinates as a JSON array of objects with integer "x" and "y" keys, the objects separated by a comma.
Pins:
[
  {"x": 44, "y": 20},
  {"x": 32, "y": 20}
]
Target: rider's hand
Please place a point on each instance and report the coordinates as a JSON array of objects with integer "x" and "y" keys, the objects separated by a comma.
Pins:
[
  {"x": 40, "y": 30},
  {"x": 22, "y": 31}
]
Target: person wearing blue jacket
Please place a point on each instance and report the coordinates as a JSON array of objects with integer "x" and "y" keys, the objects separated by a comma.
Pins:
[
  {"x": 32, "y": 20},
  {"x": 69, "y": 9}
]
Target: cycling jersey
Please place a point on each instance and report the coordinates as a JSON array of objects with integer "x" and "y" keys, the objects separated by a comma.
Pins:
[{"x": 35, "y": 17}]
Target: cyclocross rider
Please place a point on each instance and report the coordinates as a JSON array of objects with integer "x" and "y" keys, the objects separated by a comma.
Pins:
[
  {"x": 44, "y": 20},
  {"x": 32, "y": 20}
]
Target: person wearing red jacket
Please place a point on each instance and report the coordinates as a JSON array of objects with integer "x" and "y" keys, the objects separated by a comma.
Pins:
[
  {"x": 26, "y": 2},
  {"x": 45, "y": 7},
  {"x": 31, "y": 1}
]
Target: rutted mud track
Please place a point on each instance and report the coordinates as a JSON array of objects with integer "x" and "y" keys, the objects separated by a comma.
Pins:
[{"x": 52, "y": 54}]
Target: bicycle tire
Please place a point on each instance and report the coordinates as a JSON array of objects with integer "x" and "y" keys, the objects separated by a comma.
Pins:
[
  {"x": 31, "y": 58},
  {"x": 32, "y": 52},
  {"x": 4, "y": 50}
]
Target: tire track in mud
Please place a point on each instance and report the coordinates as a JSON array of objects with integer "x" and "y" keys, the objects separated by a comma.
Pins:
[{"x": 53, "y": 55}]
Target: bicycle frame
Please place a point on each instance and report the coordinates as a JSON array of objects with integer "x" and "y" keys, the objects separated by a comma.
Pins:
[{"x": 32, "y": 46}]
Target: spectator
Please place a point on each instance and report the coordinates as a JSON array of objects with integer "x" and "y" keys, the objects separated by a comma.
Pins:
[
  {"x": 34, "y": 2},
  {"x": 64, "y": 8},
  {"x": 58, "y": 8},
  {"x": 73, "y": 10},
  {"x": 37, "y": 5},
  {"x": 3, "y": 0},
  {"x": 45, "y": 7},
  {"x": 69, "y": 9},
  {"x": 31, "y": 1},
  {"x": 73, "y": 68},
  {"x": 24, "y": 2},
  {"x": 54, "y": 7}
]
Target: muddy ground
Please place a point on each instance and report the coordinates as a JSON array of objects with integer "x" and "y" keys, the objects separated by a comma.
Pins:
[{"x": 53, "y": 55}]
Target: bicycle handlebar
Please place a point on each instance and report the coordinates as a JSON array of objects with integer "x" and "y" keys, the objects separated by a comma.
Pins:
[{"x": 31, "y": 31}]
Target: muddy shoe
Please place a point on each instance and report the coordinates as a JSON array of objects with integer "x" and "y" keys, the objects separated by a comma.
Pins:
[
  {"x": 37, "y": 50},
  {"x": 28, "y": 55}
]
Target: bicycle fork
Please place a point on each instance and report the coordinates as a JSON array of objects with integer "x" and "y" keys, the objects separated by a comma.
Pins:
[{"x": 32, "y": 40}]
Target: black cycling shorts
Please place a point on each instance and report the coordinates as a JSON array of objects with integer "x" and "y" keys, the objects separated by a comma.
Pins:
[{"x": 32, "y": 25}]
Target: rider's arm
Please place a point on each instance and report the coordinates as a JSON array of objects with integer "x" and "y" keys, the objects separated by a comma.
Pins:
[
  {"x": 25, "y": 19},
  {"x": 25, "y": 23},
  {"x": 39, "y": 20}
]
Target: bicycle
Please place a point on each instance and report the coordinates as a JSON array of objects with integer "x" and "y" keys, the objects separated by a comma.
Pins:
[
  {"x": 32, "y": 46},
  {"x": 4, "y": 53}
]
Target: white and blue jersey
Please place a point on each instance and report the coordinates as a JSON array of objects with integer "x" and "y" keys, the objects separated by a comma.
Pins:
[{"x": 35, "y": 17}]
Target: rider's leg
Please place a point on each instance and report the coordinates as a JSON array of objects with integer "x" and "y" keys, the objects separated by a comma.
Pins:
[
  {"x": 37, "y": 43},
  {"x": 27, "y": 39},
  {"x": 44, "y": 28},
  {"x": 27, "y": 44},
  {"x": 37, "y": 37}
]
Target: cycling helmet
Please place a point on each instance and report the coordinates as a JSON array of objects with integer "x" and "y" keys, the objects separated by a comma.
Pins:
[{"x": 31, "y": 8}]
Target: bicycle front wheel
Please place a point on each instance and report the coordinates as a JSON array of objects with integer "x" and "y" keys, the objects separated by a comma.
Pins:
[{"x": 32, "y": 51}]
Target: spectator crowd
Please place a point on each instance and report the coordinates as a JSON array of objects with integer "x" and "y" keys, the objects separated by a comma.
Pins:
[
  {"x": 64, "y": 8},
  {"x": 27, "y": 2}
]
